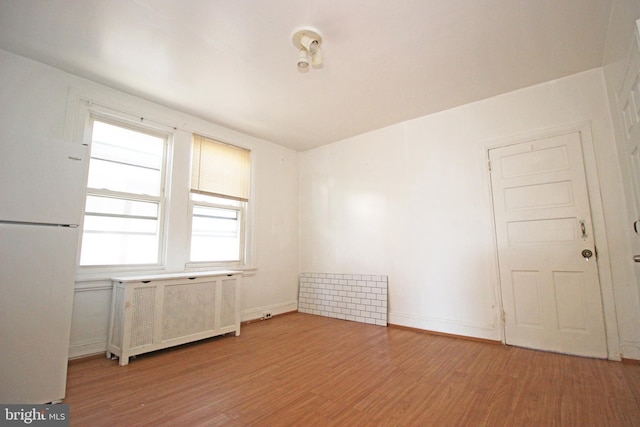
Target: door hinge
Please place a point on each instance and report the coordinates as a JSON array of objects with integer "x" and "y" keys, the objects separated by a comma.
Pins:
[
  {"x": 489, "y": 165},
  {"x": 503, "y": 315}
]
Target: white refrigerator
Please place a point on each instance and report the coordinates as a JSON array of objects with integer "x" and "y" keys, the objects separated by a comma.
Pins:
[{"x": 42, "y": 187}]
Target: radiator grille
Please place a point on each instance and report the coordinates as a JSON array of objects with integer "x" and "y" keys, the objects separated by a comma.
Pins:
[
  {"x": 188, "y": 309},
  {"x": 116, "y": 327},
  {"x": 227, "y": 316},
  {"x": 144, "y": 300}
]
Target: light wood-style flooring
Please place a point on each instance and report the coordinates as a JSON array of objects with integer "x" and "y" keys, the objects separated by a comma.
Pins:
[{"x": 304, "y": 370}]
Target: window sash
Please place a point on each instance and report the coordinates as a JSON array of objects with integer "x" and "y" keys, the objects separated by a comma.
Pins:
[
  {"x": 113, "y": 239},
  {"x": 124, "y": 159},
  {"x": 220, "y": 243}
]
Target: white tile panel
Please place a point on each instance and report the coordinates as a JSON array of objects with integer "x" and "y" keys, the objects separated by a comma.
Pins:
[{"x": 354, "y": 297}]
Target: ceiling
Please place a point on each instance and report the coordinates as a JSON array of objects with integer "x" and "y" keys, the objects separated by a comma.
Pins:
[{"x": 232, "y": 62}]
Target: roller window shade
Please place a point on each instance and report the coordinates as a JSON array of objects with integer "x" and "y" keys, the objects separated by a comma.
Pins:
[{"x": 219, "y": 169}]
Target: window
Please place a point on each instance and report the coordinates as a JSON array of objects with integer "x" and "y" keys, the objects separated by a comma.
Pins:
[
  {"x": 219, "y": 194},
  {"x": 124, "y": 205}
]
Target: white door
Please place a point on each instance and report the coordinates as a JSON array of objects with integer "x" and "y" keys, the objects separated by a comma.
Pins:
[
  {"x": 550, "y": 290},
  {"x": 629, "y": 110}
]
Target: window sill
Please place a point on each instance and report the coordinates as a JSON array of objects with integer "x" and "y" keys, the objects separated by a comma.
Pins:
[
  {"x": 247, "y": 271},
  {"x": 101, "y": 276},
  {"x": 93, "y": 274}
]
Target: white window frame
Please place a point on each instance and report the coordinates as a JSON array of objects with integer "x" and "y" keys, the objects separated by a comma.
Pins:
[{"x": 122, "y": 121}]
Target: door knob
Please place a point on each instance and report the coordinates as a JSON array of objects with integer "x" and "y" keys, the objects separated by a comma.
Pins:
[{"x": 587, "y": 253}]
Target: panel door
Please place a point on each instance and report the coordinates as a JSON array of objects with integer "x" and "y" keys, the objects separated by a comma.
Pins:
[
  {"x": 550, "y": 290},
  {"x": 629, "y": 115}
]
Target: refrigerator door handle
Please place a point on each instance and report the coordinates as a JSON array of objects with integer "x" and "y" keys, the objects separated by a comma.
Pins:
[{"x": 38, "y": 224}]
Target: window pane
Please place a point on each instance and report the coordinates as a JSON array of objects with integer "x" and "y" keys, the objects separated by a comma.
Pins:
[
  {"x": 110, "y": 241},
  {"x": 125, "y": 160},
  {"x": 118, "y": 249},
  {"x": 118, "y": 231},
  {"x": 110, "y": 205},
  {"x": 119, "y": 225},
  {"x": 215, "y": 234},
  {"x": 123, "y": 178}
]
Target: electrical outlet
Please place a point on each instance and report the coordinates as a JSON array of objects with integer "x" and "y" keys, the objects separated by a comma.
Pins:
[{"x": 266, "y": 315}]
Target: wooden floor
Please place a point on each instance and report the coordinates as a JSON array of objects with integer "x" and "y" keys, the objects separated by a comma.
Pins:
[{"x": 304, "y": 370}]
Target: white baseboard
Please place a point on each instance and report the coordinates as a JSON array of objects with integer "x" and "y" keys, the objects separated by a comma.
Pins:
[
  {"x": 445, "y": 326},
  {"x": 275, "y": 309},
  {"x": 87, "y": 348},
  {"x": 630, "y": 350}
]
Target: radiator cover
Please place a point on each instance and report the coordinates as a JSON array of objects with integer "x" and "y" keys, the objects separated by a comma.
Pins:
[{"x": 150, "y": 313}]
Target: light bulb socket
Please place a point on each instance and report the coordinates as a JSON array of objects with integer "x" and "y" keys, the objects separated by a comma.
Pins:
[
  {"x": 309, "y": 43},
  {"x": 303, "y": 60}
]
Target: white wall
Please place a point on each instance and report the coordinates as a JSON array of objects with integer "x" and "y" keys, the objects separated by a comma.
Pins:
[
  {"x": 412, "y": 201},
  {"x": 45, "y": 101},
  {"x": 620, "y": 34}
]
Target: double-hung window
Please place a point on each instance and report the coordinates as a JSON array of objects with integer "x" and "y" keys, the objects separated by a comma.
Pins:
[
  {"x": 125, "y": 196},
  {"x": 218, "y": 198}
]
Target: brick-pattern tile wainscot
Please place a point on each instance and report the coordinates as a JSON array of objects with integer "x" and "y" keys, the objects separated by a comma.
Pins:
[{"x": 356, "y": 297}]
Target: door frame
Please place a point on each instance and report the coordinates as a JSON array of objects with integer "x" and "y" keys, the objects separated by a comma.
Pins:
[{"x": 597, "y": 218}]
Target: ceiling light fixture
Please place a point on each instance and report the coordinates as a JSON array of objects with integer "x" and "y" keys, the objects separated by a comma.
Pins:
[{"x": 308, "y": 41}]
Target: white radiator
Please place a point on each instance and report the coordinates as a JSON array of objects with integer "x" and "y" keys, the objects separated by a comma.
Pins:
[{"x": 154, "y": 312}]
